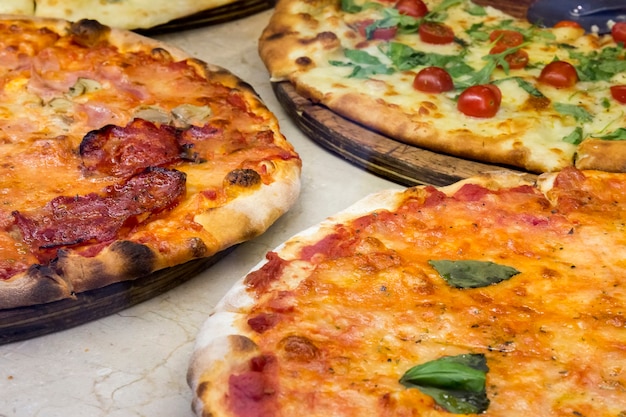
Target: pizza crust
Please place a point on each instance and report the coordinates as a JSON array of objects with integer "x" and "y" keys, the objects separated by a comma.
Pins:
[
  {"x": 125, "y": 14},
  {"x": 602, "y": 155}
]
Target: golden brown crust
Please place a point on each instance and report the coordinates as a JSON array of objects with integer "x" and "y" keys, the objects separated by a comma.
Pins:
[
  {"x": 409, "y": 128},
  {"x": 40, "y": 284},
  {"x": 602, "y": 155},
  {"x": 134, "y": 14}
]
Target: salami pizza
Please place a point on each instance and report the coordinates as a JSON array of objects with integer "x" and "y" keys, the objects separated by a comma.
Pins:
[
  {"x": 120, "y": 156},
  {"x": 499, "y": 295},
  {"x": 458, "y": 78}
]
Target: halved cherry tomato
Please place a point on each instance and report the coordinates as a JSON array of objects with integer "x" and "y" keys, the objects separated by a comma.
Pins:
[
  {"x": 506, "y": 37},
  {"x": 516, "y": 59},
  {"x": 433, "y": 80},
  {"x": 436, "y": 33},
  {"x": 567, "y": 24},
  {"x": 480, "y": 101},
  {"x": 559, "y": 74},
  {"x": 383, "y": 34},
  {"x": 618, "y": 31},
  {"x": 413, "y": 8},
  {"x": 619, "y": 93}
]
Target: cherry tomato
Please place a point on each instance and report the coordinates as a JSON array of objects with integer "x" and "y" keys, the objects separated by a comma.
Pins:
[
  {"x": 559, "y": 74},
  {"x": 413, "y": 8},
  {"x": 619, "y": 93},
  {"x": 506, "y": 37},
  {"x": 516, "y": 59},
  {"x": 436, "y": 33},
  {"x": 567, "y": 24},
  {"x": 618, "y": 31},
  {"x": 480, "y": 101},
  {"x": 433, "y": 80},
  {"x": 383, "y": 34}
]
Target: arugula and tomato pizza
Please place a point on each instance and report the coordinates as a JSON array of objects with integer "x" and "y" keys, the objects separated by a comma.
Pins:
[
  {"x": 458, "y": 78},
  {"x": 497, "y": 295},
  {"x": 120, "y": 155}
]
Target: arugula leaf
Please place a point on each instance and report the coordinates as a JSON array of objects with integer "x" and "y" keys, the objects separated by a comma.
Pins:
[
  {"x": 360, "y": 56},
  {"x": 477, "y": 32},
  {"x": 600, "y": 65},
  {"x": 404, "y": 58},
  {"x": 617, "y": 134},
  {"x": 472, "y": 274},
  {"x": 576, "y": 137},
  {"x": 456, "y": 383},
  {"x": 393, "y": 18},
  {"x": 483, "y": 76},
  {"x": 438, "y": 13},
  {"x": 524, "y": 85},
  {"x": 476, "y": 10},
  {"x": 369, "y": 71},
  {"x": 350, "y": 6},
  {"x": 445, "y": 5},
  {"x": 577, "y": 112},
  {"x": 363, "y": 63}
]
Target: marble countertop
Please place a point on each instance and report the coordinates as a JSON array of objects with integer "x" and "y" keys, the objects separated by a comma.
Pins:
[{"x": 134, "y": 363}]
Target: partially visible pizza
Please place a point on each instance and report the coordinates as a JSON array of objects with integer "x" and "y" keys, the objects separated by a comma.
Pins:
[
  {"x": 458, "y": 78},
  {"x": 123, "y": 14},
  {"x": 496, "y": 295},
  {"x": 120, "y": 155}
]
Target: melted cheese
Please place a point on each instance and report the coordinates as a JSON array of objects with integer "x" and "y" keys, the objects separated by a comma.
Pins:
[
  {"x": 541, "y": 130},
  {"x": 54, "y": 92},
  {"x": 365, "y": 305}
]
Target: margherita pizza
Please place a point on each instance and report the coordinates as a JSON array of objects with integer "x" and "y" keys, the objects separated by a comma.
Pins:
[
  {"x": 458, "y": 78},
  {"x": 120, "y": 156},
  {"x": 123, "y": 14},
  {"x": 495, "y": 295}
]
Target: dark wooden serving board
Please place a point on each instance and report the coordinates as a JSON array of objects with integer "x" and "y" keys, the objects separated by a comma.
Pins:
[
  {"x": 379, "y": 154},
  {"x": 237, "y": 10},
  {"x": 27, "y": 322}
]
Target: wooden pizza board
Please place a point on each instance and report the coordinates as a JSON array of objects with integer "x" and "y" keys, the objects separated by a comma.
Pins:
[
  {"x": 399, "y": 162},
  {"x": 405, "y": 164},
  {"x": 27, "y": 322}
]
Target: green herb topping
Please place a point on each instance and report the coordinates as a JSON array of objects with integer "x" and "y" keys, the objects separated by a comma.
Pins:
[
  {"x": 472, "y": 274},
  {"x": 456, "y": 383}
]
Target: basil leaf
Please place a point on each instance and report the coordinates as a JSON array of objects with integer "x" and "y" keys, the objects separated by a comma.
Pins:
[
  {"x": 577, "y": 112},
  {"x": 576, "y": 137},
  {"x": 472, "y": 274},
  {"x": 617, "y": 134},
  {"x": 456, "y": 383}
]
